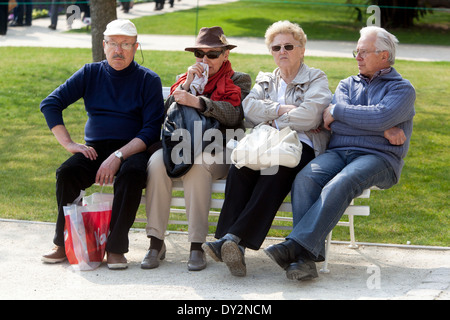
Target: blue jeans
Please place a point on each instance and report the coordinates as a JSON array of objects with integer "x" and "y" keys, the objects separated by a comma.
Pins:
[{"x": 324, "y": 189}]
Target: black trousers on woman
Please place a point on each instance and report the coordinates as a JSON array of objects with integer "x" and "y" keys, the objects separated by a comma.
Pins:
[
  {"x": 78, "y": 173},
  {"x": 252, "y": 200}
]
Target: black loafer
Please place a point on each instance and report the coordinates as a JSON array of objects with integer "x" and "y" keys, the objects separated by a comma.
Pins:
[
  {"x": 282, "y": 253},
  {"x": 303, "y": 269},
  {"x": 214, "y": 249}
]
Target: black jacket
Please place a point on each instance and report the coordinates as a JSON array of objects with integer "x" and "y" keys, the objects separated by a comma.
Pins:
[{"x": 182, "y": 138}]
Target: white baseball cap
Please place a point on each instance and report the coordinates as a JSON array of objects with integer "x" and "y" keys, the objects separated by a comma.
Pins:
[{"x": 120, "y": 27}]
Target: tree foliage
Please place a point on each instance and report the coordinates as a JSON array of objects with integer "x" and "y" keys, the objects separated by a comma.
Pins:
[{"x": 399, "y": 13}]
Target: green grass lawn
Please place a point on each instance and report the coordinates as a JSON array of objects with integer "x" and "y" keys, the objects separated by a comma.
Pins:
[
  {"x": 321, "y": 20},
  {"x": 415, "y": 210}
]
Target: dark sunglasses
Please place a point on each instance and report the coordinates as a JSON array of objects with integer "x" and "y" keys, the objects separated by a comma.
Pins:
[
  {"x": 287, "y": 47},
  {"x": 210, "y": 54}
]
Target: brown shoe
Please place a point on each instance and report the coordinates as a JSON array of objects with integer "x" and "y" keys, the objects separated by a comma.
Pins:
[
  {"x": 58, "y": 254},
  {"x": 197, "y": 260},
  {"x": 116, "y": 261},
  {"x": 153, "y": 257}
]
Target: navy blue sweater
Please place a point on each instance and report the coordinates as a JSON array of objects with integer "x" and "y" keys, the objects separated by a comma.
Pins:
[{"x": 121, "y": 105}]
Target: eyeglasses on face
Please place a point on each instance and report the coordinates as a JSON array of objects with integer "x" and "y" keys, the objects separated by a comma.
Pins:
[
  {"x": 287, "y": 47},
  {"x": 123, "y": 45},
  {"x": 363, "y": 53},
  {"x": 210, "y": 54}
]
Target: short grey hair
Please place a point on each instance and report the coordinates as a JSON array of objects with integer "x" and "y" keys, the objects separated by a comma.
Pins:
[{"x": 385, "y": 41}]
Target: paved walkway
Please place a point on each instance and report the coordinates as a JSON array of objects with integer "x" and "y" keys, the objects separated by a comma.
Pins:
[
  {"x": 40, "y": 35},
  {"x": 370, "y": 272}
]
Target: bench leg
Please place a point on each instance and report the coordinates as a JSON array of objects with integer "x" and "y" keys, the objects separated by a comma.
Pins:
[
  {"x": 327, "y": 248},
  {"x": 353, "y": 244}
]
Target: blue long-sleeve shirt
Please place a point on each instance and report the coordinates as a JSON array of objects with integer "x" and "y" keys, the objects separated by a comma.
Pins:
[
  {"x": 121, "y": 105},
  {"x": 363, "y": 111}
]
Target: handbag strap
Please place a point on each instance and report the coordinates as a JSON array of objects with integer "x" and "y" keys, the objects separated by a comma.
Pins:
[{"x": 276, "y": 125}]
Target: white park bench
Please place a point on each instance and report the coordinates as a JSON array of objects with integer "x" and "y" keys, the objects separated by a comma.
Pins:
[{"x": 284, "y": 213}]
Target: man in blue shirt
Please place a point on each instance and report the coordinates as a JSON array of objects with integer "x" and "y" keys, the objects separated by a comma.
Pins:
[
  {"x": 371, "y": 119},
  {"x": 125, "y": 107}
]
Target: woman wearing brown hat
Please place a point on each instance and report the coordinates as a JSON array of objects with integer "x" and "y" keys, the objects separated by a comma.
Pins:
[
  {"x": 211, "y": 87},
  {"x": 294, "y": 96}
]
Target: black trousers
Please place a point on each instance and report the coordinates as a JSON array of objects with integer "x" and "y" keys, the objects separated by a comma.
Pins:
[
  {"x": 78, "y": 173},
  {"x": 252, "y": 200},
  {"x": 25, "y": 9},
  {"x": 3, "y": 18}
]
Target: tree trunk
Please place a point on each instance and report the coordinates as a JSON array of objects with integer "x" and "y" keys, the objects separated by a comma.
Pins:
[
  {"x": 399, "y": 13},
  {"x": 102, "y": 13}
]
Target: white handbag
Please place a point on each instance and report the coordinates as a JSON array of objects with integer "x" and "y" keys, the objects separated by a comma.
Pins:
[{"x": 266, "y": 146}]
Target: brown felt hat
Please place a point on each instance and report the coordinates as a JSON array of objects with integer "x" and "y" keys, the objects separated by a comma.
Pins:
[{"x": 211, "y": 38}]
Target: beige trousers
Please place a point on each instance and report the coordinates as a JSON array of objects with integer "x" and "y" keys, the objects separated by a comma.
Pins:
[{"x": 197, "y": 194}]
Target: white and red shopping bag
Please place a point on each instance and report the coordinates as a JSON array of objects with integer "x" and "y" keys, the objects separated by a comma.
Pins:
[{"x": 86, "y": 231}]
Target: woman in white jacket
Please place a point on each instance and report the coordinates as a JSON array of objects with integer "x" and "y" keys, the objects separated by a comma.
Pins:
[{"x": 292, "y": 95}]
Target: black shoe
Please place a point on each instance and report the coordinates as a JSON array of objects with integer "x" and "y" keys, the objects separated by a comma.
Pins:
[
  {"x": 15, "y": 24},
  {"x": 233, "y": 257},
  {"x": 303, "y": 269},
  {"x": 283, "y": 253},
  {"x": 214, "y": 249},
  {"x": 52, "y": 26}
]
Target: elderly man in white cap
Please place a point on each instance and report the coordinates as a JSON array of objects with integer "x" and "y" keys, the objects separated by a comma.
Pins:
[{"x": 125, "y": 108}]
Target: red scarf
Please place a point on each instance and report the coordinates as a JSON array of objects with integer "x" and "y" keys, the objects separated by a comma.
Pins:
[{"x": 220, "y": 87}]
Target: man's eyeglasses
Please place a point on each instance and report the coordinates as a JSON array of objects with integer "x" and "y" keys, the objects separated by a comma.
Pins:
[
  {"x": 287, "y": 47},
  {"x": 210, "y": 54},
  {"x": 123, "y": 45},
  {"x": 363, "y": 53}
]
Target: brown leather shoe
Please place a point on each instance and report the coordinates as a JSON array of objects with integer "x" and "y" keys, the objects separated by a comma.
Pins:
[
  {"x": 197, "y": 260},
  {"x": 153, "y": 257},
  {"x": 58, "y": 254},
  {"x": 116, "y": 261}
]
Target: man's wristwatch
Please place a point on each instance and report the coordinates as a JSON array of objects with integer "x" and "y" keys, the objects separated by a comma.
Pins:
[{"x": 119, "y": 155}]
